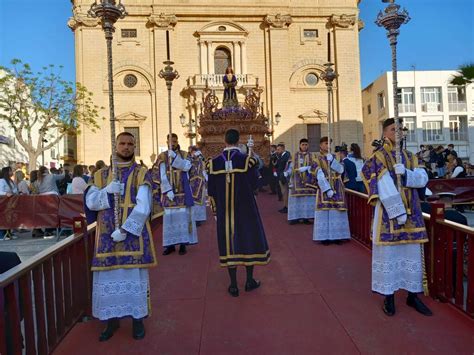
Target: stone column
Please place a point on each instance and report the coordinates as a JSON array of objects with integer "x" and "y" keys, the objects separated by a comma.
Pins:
[
  {"x": 243, "y": 60},
  {"x": 210, "y": 57},
  {"x": 238, "y": 59},
  {"x": 202, "y": 51}
]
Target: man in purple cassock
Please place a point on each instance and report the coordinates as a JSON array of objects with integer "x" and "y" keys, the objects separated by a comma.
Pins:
[
  {"x": 398, "y": 229},
  {"x": 233, "y": 178},
  {"x": 121, "y": 256}
]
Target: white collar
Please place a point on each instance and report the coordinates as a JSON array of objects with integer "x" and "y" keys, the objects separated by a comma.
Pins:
[{"x": 231, "y": 148}]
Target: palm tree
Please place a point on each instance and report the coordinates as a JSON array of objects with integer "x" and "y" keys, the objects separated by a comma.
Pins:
[{"x": 465, "y": 75}]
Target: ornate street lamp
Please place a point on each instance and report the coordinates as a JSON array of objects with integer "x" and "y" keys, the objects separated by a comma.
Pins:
[
  {"x": 277, "y": 118},
  {"x": 109, "y": 11},
  {"x": 391, "y": 19}
]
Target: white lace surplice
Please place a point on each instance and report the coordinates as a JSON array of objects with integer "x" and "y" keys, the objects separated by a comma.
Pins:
[
  {"x": 331, "y": 225},
  {"x": 199, "y": 213},
  {"x": 301, "y": 207},
  {"x": 122, "y": 292},
  {"x": 394, "y": 267}
]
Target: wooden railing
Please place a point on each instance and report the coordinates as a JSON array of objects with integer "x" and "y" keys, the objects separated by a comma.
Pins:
[
  {"x": 41, "y": 299},
  {"x": 449, "y": 253}
]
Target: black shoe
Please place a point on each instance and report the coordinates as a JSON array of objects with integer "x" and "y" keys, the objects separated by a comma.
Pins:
[
  {"x": 169, "y": 250},
  {"x": 138, "y": 329},
  {"x": 415, "y": 302},
  {"x": 233, "y": 291},
  {"x": 326, "y": 242},
  {"x": 389, "y": 305},
  {"x": 293, "y": 222},
  {"x": 307, "y": 221},
  {"x": 252, "y": 285},
  {"x": 182, "y": 249},
  {"x": 198, "y": 223},
  {"x": 338, "y": 242},
  {"x": 283, "y": 210},
  {"x": 110, "y": 329}
]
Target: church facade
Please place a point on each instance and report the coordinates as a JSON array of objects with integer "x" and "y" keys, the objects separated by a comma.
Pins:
[{"x": 279, "y": 45}]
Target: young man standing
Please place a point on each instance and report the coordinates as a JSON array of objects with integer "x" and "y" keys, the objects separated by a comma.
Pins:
[
  {"x": 233, "y": 178},
  {"x": 283, "y": 172}
]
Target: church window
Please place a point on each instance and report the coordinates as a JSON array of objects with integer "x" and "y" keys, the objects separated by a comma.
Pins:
[
  {"x": 129, "y": 33},
  {"x": 222, "y": 60},
  {"x": 222, "y": 28},
  {"x": 310, "y": 34},
  {"x": 311, "y": 79},
  {"x": 130, "y": 80},
  {"x": 136, "y": 133}
]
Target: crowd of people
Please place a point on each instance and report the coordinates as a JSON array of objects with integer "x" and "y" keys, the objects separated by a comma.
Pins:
[{"x": 442, "y": 162}]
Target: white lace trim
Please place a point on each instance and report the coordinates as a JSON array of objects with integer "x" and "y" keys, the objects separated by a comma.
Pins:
[
  {"x": 133, "y": 227},
  {"x": 176, "y": 227},
  {"x": 416, "y": 179},
  {"x": 199, "y": 213},
  {"x": 394, "y": 206},
  {"x": 331, "y": 225}
]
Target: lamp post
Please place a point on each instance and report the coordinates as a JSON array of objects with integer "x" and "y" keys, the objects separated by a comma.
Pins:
[
  {"x": 109, "y": 11},
  {"x": 191, "y": 134},
  {"x": 391, "y": 19}
]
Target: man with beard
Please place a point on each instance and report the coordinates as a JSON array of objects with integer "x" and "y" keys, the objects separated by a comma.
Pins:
[
  {"x": 121, "y": 256},
  {"x": 398, "y": 229},
  {"x": 302, "y": 199},
  {"x": 176, "y": 197},
  {"x": 233, "y": 178}
]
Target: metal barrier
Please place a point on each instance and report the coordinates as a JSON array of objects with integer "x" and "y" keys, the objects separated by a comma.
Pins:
[
  {"x": 449, "y": 253},
  {"x": 48, "y": 293}
]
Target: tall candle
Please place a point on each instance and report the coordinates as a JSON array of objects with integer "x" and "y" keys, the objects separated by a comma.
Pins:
[{"x": 167, "y": 45}]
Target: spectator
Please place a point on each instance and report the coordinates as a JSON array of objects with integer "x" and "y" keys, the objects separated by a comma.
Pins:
[
  {"x": 7, "y": 188},
  {"x": 85, "y": 174},
  {"x": 282, "y": 173},
  {"x": 451, "y": 151},
  {"x": 274, "y": 186},
  {"x": 92, "y": 171},
  {"x": 78, "y": 185},
  {"x": 432, "y": 158},
  {"x": 356, "y": 157},
  {"x": 440, "y": 162},
  {"x": 21, "y": 183},
  {"x": 46, "y": 183},
  {"x": 67, "y": 179},
  {"x": 459, "y": 170}
]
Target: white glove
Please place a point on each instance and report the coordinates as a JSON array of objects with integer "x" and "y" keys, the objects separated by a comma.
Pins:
[
  {"x": 172, "y": 154},
  {"x": 170, "y": 195},
  {"x": 114, "y": 187},
  {"x": 304, "y": 168},
  {"x": 118, "y": 236},
  {"x": 399, "y": 169},
  {"x": 286, "y": 173},
  {"x": 401, "y": 220},
  {"x": 329, "y": 157},
  {"x": 330, "y": 193},
  {"x": 275, "y": 174}
]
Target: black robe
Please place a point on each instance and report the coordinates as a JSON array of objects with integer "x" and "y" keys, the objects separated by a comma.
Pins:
[{"x": 240, "y": 233}]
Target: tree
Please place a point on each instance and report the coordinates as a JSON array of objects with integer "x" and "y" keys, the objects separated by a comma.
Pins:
[
  {"x": 465, "y": 75},
  {"x": 43, "y": 103}
]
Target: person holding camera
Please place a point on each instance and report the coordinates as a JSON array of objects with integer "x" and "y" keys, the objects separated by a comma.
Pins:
[{"x": 283, "y": 171}]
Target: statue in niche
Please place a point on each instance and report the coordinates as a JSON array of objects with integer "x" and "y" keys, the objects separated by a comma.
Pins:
[{"x": 230, "y": 94}]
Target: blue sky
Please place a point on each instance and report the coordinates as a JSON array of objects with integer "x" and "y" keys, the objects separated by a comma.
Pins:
[{"x": 439, "y": 36}]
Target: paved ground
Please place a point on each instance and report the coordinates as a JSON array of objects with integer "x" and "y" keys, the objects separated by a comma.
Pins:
[
  {"x": 313, "y": 300},
  {"x": 26, "y": 246}
]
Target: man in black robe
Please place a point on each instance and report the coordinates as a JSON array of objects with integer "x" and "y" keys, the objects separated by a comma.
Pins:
[{"x": 233, "y": 178}]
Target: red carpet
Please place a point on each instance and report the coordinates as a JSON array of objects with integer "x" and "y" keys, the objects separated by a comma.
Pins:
[{"x": 313, "y": 300}]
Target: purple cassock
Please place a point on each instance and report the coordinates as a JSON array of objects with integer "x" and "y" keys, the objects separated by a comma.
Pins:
[
  {"x": 387, "y": 231},
  {"x": 233, "y": 178},
  {"x": 134, "y": 251}
]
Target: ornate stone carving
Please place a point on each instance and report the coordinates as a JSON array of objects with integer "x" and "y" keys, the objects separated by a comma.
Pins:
[
  {"x": 360, "y": 24},
  {"x": 342, "y": 21},
  {"x": 81, "y": 19},
  {"x": 278, "y": 21},
  {"x": 162, "y": 21}
]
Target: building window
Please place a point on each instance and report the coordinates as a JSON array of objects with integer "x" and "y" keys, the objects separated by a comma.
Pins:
[
  {"x": 432, "y": 131},
  {"x": 406, "y": 100},
  {"x": 310, "y": 34},
  {"x": 369, "y": 109},
  {"x": 458, "y": 128},
  {"x": 457, "y": 98},
  {"x": 431, "y": 99},
  {"x": 410, "y": 124},
  {"x": 130, "y": 80},
  {"x": 222, "y": 60},
  {"x": 129, "y": 33},
  {"x": 136, "y": 133},
  {"x": 313, "y": 132},
  {"x": 311, "y": 79},
  {"x": 221, "y": 28},
  {"x": 381, "y": 101}
]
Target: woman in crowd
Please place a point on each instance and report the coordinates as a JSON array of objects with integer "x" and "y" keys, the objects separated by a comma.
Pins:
[
  {"x": 7, "y": 188},
  {"x": 356, "y": 157},
  {"x": 78, "y": 183},
  {"x": 46, "y": 183},
  {"x": 459, "y": 170},
  {"x": 21, "y": 183}
]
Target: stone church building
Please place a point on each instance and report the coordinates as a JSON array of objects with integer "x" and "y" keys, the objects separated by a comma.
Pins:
[{"x": 281, "y": 45}]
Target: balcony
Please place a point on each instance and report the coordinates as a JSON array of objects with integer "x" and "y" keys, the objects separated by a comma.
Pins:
[
  {"x": 404, "y": 108},
  {"x": 216, "y": 80},
  {"x": 431, "y": 107},
  {"x": 457, "y": 107}
]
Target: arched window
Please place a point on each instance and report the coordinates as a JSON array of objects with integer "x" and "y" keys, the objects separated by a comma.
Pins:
[{"x": 222, "y": 59}]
